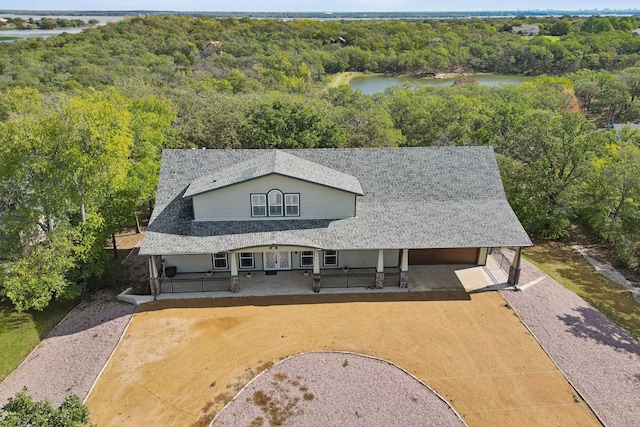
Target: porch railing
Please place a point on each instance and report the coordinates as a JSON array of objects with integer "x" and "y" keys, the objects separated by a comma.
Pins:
[
  {"x": 502, "y": 261},
  {"x": 195, "y": 284},
  {"x": 357, "y": 278}
]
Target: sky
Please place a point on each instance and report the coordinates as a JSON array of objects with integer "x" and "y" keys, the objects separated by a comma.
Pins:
[{"x": 316, "y": 5}]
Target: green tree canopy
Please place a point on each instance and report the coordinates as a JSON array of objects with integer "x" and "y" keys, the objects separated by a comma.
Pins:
[{"x": 22, "y": 411}]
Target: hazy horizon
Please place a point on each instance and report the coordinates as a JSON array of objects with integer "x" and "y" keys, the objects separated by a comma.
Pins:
[{"x": 326, "y": 6}]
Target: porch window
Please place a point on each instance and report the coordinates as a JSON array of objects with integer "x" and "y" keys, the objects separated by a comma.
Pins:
[
  {"x": 292, "y": 204},
  {"x": 306, "y": 259},
  {"x": 258, "y": 205},
  {"x": 247, "y": 260},
  {"x": 275, "y": 203},
  {"x": 330, "y": 258},
  {"x": 220, "y": 261}
]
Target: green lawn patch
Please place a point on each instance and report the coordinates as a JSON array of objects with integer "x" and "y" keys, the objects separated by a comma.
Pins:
[
  {"x": 343, "y": 78},
  {"x": 571, "y": 270},
  {"x": 552, "y": 38},
  {"x": 21, "y": 332}
]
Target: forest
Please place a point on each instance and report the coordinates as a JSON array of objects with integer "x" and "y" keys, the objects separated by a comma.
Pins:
[{"x": 84, "y": 117}]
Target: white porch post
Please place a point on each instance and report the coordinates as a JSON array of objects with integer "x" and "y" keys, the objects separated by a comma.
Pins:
[
  {"x": 380, "y": 270},
  {"x": 316, "y": 262},
  {"x": 234, "y": 264},
  {"x": 316, "y": 271},
  {"x": 153, "y": 277},
  {"x": 404, "y": 269},
  {"x": 514, "y": 269},
  {"x": 235, "y": 282}
]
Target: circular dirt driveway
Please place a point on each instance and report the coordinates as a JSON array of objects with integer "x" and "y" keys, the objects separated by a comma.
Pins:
[{"x": 180, "y": 362}]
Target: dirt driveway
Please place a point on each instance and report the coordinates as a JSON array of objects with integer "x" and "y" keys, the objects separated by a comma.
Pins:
[{"x": 181, "y": 361}]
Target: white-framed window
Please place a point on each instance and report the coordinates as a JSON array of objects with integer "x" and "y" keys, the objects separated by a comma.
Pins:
[
  {"x": 220, "y": 261},
  {"x": 258, "y": 205},
  {"x": 247, "y": 260},
  {"x": 306, "y": 258},
  {"x": 292, "y": 204},
  {"x": 275, "y": 202},
  {"x": 330, "y": 258}
]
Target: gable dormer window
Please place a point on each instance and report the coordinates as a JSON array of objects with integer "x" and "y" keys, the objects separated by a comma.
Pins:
[
  {"x": 292, "y": 204},
  {"x": 275, "y": 202},
  {"x": 258, "y": 205}
]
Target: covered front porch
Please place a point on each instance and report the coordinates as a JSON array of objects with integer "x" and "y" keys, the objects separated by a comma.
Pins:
[{"x": 459, "y": 278}]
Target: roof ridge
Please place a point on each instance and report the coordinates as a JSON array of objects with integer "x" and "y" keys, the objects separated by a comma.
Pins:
[{"x": 274, "y": 161}]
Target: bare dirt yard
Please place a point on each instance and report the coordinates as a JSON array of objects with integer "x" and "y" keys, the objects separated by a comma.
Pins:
[{"x": 180, "y": 362}]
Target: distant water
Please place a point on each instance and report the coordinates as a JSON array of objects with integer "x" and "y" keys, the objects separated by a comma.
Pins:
[
  {"x": 374, "y": 84},
  {"x": 103, "y": 19},
  {"x": 22, "y": 34}
]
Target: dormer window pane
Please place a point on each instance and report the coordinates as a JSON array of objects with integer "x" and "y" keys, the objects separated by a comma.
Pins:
[
  {"x": 292, "y": 204},
  {"x": 275, "y": 203},
  {"x": 258, "y": 205}
]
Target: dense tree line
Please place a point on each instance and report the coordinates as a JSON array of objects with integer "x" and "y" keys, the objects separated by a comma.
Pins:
[
  {"x": 44, "y": 23},
  {"x": 83, "y": 119},
  {"x": 294, "y": 55}
]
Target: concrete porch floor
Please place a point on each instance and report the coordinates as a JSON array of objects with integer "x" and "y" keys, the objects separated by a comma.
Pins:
[{"x": 422, "y": 278}]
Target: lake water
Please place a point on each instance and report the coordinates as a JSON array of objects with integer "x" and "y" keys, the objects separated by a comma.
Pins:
[
  {"x": 374, "y": 84},
  {"x": 22, "y": 34}
]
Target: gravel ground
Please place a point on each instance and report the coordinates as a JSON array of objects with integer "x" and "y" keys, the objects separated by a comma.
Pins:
[
  {"x": 333, "y": 389},
  {"x": 69, "y": 360},
  {"x": 599, "y": 358}
]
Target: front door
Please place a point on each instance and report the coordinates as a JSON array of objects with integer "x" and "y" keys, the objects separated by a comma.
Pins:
[{"x": 277, "y": 260}]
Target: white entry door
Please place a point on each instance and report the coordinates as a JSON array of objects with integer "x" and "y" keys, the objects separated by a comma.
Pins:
[{"x": 277, "y": 260}]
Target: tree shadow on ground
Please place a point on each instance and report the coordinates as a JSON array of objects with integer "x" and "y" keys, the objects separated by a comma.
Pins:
[
  {"x": 273, "y": 300},
  {"x": 593, "y": 325},
  {"x": 96, "y": 309}
]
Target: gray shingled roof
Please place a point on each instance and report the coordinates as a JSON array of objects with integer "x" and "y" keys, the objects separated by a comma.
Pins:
[
  {"x": 619, "y": 126},
  {"x": 419, "y": 197},
  {"x": 278, "y": 162}
]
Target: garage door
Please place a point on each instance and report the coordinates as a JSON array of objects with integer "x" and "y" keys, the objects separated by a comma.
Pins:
[{"x": 443, "y": 256}]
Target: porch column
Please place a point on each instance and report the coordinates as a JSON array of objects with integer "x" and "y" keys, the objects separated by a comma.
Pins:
[
  {"x": 153, "y": 277},
  {"x": 380, "y": 270},
  {"x": 235, "y": 282},
  {"x": 404, "y": 269},
  {"x": 316, "y": 271},
  {"x": 514, "y": 269}
]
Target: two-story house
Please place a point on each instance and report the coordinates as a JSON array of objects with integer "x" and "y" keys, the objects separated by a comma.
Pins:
[{"x": 223, "y": 213}]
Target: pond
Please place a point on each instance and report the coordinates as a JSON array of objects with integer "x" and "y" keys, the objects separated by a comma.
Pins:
[{"x": 374, "y": 84}]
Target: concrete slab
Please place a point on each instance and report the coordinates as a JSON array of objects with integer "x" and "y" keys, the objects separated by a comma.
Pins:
[{"x": 474, "y": 278}]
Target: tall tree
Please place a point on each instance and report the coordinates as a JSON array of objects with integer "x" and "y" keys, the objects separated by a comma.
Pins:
[
  {"x": 97, "y": 144},
  {"x": 610, "y": 199},
  {"x": 545, "y": 157},
  {"x": 74, "y": 177}
]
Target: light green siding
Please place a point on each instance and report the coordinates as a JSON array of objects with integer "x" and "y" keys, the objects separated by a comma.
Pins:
[
  {"x": 233, "y": 203},
  {"x": 351, "y": 259},
  {"x": 189, "y": 263},
  {"x": 367, "y": 259}
]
